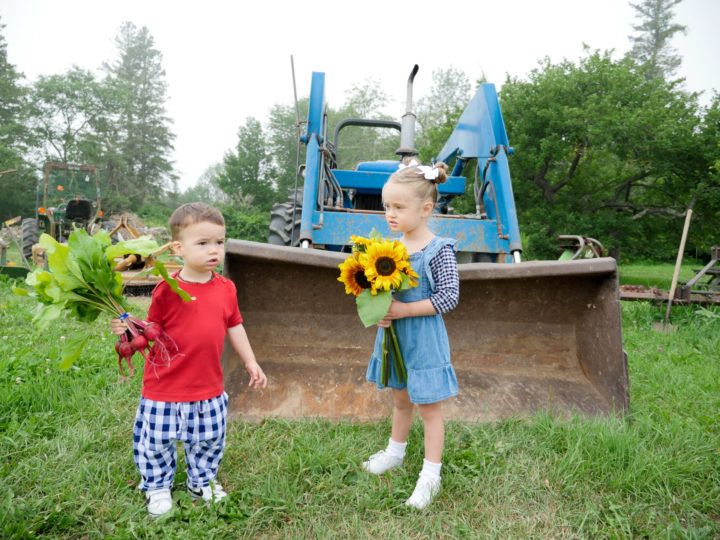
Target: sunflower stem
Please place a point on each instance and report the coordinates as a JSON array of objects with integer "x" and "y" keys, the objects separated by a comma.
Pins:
[
  {"x": 397, "y": 355},
  {"x": 384, "y": 364}
]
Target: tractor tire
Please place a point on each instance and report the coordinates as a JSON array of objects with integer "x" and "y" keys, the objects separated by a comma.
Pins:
[
  {"x": 282, "y": 228},
  {"x": 30, "y": 236}
]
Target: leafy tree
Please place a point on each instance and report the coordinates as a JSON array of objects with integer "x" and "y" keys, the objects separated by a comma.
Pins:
[
  {"x": 247, "y": 176},
  {"x": 448, "y": 97},
  {"x": 246, "y": 224},
  {"x": 17, "y": 189},
  {"x": 63, "y": 109},
  {"x": 438, "y": 115},
  {"x": 141, "y": 136},
  {"x": 207, "y": 189},
  {"x": 283, "y": 134},
  {"x": 356, "y": 143},
  {"x": 651, "y": 45},
  {"x": 604, "y": 151}
]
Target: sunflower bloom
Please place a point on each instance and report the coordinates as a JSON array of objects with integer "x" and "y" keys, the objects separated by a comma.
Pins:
[
  {"x": 360, "y": 243},
  {"x": 384, "y": 262},
  {"x": 352, "y": 274},
  {"x": 412, "y": 275}
]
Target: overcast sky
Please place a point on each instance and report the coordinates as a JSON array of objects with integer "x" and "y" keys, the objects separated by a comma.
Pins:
[{"x": 228, "y": 60}]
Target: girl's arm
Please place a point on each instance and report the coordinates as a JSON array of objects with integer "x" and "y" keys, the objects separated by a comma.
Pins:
[
  {"x": 400, "y": 310},
  {"x": 445, "y": 298},
  {"x": 241, "y": 344}
]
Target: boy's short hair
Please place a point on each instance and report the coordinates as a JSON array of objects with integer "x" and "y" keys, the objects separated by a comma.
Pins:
[{"x": 191, "y": 213}]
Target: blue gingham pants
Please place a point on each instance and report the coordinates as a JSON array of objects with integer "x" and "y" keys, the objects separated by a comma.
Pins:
[{"x": 199, "y": 425}]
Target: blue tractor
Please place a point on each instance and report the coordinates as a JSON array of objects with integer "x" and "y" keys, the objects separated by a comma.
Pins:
[
  {"x": 337, "y": 203},
  {"x": 526, "y": 336}
]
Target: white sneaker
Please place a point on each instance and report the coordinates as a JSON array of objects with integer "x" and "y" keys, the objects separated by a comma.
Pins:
[
  {"x": 159, "y": 501},
  {"x": 425, "y": 490},
  {"x": 381, "y": 462},
  {"x": 213, "y": 492}
]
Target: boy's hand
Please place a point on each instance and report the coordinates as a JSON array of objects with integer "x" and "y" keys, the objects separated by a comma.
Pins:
[
  {"x": 257, "y": 377},
  {"x": 117, "y": 327}
]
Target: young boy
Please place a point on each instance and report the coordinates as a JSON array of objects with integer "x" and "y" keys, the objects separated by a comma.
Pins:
[{"x": 185, "y": 401}]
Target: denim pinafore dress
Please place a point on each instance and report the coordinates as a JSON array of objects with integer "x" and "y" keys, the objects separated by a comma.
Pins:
[{"x": 423, "y": 340}]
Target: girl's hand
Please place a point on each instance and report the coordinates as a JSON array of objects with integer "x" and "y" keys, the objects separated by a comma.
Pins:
[
  {"x": 398, "y": 310},
  {"x": 117, "y": 327},
  {"x": 257, "y": 377}
]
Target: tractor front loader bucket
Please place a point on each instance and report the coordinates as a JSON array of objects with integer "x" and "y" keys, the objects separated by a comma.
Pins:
[{"x": 525, "y": 337}]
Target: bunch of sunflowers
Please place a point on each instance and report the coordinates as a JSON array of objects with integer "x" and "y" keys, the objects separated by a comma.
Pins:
[{"x": 376, "y": 268}]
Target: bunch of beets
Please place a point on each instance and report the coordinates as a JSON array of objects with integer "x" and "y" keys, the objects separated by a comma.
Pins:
[{"x": 150, "y": 340}]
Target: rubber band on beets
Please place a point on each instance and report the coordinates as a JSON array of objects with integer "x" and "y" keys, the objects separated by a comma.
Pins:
[{"x": 124, "y": 316}]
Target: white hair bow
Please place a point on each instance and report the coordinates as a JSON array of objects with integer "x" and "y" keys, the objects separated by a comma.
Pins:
[
  {"x": 413, "y": 163},
  {"x": 430, "y": 173}
]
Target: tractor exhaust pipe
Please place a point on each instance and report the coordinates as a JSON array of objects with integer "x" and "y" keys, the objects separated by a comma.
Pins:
[{"x": 407, "y": 132}]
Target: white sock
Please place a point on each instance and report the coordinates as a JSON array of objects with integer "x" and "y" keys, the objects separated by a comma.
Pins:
[
  {"x": 396, "y": 449},
  {"x": 431, "y": 468}
]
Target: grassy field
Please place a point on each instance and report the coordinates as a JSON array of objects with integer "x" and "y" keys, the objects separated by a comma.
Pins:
[
  {"x": 68, "y": 472},
  {"x": 656, "y": 275}
]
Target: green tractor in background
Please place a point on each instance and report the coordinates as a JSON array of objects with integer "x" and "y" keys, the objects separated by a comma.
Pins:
[{"x": 64, "y": 202}]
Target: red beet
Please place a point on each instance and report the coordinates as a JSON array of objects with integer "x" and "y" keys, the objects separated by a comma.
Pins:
[
  {"x": 126, "y": 349},
  {"x": 152, "y": 331},
  {"x": 139, "y": 342}
]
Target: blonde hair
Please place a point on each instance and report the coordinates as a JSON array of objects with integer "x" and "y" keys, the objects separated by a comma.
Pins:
[
  {"x": 191, "y": 213},
  {"x": 414, "y": 178}
]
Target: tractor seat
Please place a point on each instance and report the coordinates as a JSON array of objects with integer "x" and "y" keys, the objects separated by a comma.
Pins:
[{"x": 78, "y": 209}]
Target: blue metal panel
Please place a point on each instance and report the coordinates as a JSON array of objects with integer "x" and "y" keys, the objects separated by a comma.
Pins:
[
  {"x": 472, "y": 234},
  {"x": 383, "y": 165},
  {"x": 496, "y": 119},
  {"x": 481, "y": 134},
  {"x": 473, "y": 136},
  {"x": 312, "y": 160},
  {"x": 454, "y": 185}
]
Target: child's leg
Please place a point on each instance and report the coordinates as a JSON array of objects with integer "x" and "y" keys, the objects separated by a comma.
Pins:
[
  {"x": 434, "y": 426},
  {"x": 428, "y": 484},
  {"x": 402, "y": 415},
  {"x": 154, "y": 444},
  {"x": 394, "y": 454},
  {"x": 205, "y": 440}
]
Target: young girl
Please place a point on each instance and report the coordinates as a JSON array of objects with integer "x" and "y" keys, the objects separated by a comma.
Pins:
[{"x": 409, "y": 197}]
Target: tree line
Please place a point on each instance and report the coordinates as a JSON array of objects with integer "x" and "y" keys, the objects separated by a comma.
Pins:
[{"x": 613, "y": 148}]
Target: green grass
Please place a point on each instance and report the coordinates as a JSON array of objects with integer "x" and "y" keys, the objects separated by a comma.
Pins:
[
  {"x": 68, "y": 472},
  {"x": 656, "y": 275}
]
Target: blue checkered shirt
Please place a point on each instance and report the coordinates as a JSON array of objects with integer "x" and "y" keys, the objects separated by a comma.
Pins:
[{"x": 443, "y": 267}]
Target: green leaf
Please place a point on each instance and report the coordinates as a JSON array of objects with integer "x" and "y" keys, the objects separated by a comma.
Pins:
[
  {"x": 65, "y": 270},
  {"x": 405, "y": 283},
  {"x": 71, "y": 350},
  {"x": 89, "y": 253},
  {"x": 372, "y": 308},
  {"x": 19, "y": 291},
  {"x": 375, "y": 235},
  {"x": 566, "y": 255},
  {"x": 160, "y": 270},
  {"x": 145, "y": 246},
  {"x": 47, "y": 314}
]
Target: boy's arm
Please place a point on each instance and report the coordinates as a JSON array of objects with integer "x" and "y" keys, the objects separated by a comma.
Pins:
[{"x": 241, "y": 344}]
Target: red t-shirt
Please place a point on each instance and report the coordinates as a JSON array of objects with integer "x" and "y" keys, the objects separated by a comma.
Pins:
[{"x": 198, "y": 328}]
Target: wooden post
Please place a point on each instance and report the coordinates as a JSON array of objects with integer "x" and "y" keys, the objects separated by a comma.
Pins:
[{"x": 678, "y": 262}]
